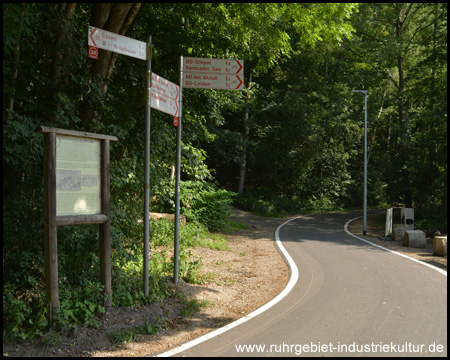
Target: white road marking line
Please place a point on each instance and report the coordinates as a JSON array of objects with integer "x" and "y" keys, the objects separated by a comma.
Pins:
[
  {"x": 292, "y": 281},
  {"x": 443, "y": 272}
]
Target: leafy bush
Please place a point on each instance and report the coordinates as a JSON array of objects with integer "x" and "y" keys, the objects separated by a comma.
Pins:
[
  {"x": 205, "y": 203},
  {"x": 79, "y": 304},
  {"x": 23, "y": 317},
  {"x": 265, "y": 203}
]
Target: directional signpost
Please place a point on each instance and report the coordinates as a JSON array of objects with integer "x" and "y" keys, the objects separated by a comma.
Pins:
[
  {"x": 163, "y": 95},
  {"x": 99, "y": 38},
  {"x": 203, "y": 73}
]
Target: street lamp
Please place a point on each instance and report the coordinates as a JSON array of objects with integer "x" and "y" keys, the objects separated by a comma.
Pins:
[{"x": 365, "y": 157}]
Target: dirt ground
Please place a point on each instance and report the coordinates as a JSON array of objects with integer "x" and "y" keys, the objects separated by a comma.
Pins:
[{"x": 243, "y": 278}]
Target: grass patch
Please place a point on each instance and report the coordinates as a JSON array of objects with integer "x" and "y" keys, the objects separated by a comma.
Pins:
[
  {"x": 125, "y": 336},
  {"x": 226, "y": 281},
  {"x": 191, "y": 235},
  {"x": 194, "y": 306},
  {"x": 232, "y": 225}
]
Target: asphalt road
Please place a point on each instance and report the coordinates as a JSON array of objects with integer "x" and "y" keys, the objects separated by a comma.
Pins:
[{"x": 350, "y": 299}]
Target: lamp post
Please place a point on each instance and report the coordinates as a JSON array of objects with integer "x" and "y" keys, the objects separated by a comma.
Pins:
[{"x": 365, "y": 157}]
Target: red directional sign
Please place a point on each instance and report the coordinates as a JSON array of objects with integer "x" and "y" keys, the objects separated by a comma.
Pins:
[{"x": 204, "y": 73}]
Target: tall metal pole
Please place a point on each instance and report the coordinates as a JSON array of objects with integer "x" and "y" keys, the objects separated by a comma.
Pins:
[
  {"x": 365, "y": 157},
  {"x": 177, "y": 181},
  {"x": 148, "y": 102},
  {"x": 365, "y": 164}
]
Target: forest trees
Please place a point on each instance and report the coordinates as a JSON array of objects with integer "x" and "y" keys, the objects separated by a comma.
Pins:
[
  {"x": 404, "y": 47},
  {"x": 307, "y": 139},
  {"x": 293, "y": 136}
]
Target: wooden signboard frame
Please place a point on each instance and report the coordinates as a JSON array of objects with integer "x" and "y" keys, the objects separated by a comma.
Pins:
[{"x": 52, "y": 220}]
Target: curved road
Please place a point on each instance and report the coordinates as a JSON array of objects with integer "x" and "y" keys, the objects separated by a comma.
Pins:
[{"x": 350, "y": 299}]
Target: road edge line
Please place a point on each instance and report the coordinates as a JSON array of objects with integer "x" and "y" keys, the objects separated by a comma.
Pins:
[
  {"x": 291, "y": 283},
  {"x": 443, "y": 272}
]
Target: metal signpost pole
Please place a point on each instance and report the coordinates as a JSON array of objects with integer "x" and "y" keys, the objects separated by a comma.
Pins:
[
  {"x": 365, "y": 164},
  {"x": 148, "y": 91},
  {"x": 365, "y": 93},
  {"x": 200, "y": 73},
  {"x": 177, "y": 181},
  {"x": 99, "y": 38}
]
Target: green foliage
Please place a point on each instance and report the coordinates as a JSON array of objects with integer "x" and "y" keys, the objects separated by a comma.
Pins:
[
  {"x": 205, "y": 203},
  {"x": 191, "y": 235},
  {"x": 127, "y": 335},
  {"x": 188, "y": 266},
  {"x": 123, "y": 336},
  {"x": 23, "y": 317},
  {"x": 193, "y": 306},
  {"x": 305, "y": 127},
  {"x": 267, "y": 203},
  {"x": 80, "y": 304}
]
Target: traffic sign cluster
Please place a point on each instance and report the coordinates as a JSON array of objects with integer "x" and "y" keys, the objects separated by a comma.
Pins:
[{"x": 163, "y": 95}]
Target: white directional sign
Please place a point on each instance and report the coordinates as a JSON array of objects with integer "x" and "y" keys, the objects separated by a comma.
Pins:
[
  {"x": 164, "y": 95},
  {"x": 215, "y": 66},
  {"x": 204, "y": 73},
  {"x": 208, "y": 81},
  {"x": 106, "y": 40}
]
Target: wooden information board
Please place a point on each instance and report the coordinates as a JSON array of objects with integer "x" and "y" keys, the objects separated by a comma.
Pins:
[{"x": 76, "y": 191}]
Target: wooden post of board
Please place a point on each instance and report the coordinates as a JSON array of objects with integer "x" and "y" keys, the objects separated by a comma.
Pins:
[
  {"x": 105, "y": 240},
  {"x": 50, "y": 234}
]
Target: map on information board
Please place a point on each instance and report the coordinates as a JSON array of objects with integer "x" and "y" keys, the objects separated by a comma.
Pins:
[{"x": 77, "y": 176}]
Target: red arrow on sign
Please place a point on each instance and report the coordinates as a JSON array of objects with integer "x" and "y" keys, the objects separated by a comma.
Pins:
[
  {"x": 91, "y": 36},
  {"x": 240, "y": 67},
  {"x": 240, "y": 81}
]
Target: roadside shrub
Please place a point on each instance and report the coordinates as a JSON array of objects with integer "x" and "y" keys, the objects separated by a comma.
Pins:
[
  {"x": 266, "y": 203},
  {"x": 205, "y": 203}
]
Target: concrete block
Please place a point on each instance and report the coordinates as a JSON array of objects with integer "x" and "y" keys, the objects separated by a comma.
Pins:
[
  {"x": 415, "y": 239},
  {"x": 398, "y": 232},
  {"x": 440, "y": 245}
]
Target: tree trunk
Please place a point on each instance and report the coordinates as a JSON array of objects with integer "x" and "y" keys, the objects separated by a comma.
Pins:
[
  {"x": 68, "y": 10},
  {"x": 57, "y": 67},
  {"x": 116, "y": 18},
  {"x": 243, "y": 157},
  {"x": 401, "y": 75},
  {"x": 406, "y": 181},
  {"x": 245, "y": 139},
  {"x": 15, "y": 68}
]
